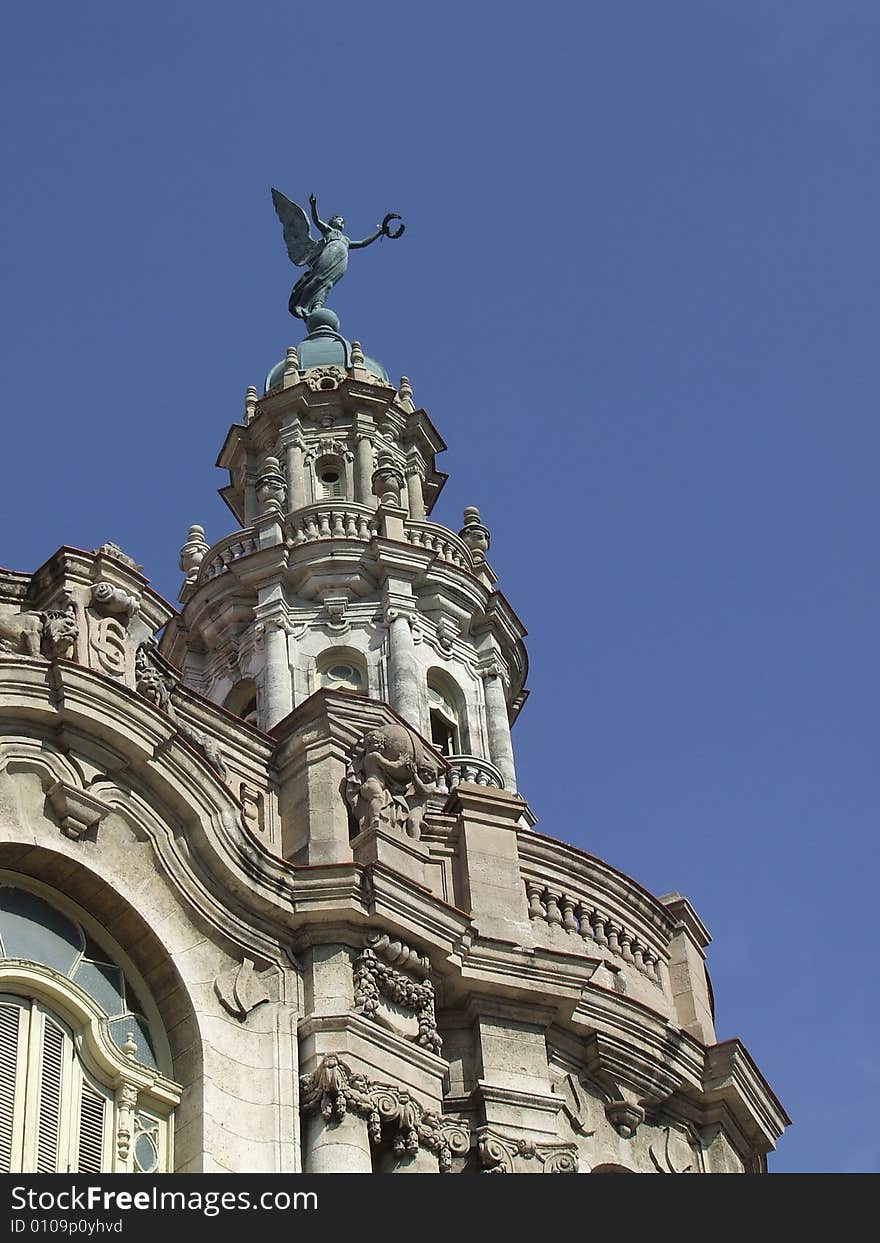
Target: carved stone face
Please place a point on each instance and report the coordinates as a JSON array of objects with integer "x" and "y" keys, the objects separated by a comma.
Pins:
[{"x": 60, "y": 635}]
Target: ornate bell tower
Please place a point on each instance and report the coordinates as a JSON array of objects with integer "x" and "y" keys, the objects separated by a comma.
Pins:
[{"x": 336, "y": 575}]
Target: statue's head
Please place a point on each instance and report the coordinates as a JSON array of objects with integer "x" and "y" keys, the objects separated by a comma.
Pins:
[
  {"x": 374, "y": 741},
  {"x": 336, "y": 222}
]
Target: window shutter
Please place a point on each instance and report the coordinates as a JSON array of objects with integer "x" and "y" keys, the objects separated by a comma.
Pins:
[
  {"x": 90, "y": 1148},
  {"x": 9, "y": 1022},
  {"x": 49, "y": 1117}
]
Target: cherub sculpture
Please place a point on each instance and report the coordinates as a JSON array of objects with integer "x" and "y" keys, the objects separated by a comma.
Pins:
[{"x": 325, "y": 258}]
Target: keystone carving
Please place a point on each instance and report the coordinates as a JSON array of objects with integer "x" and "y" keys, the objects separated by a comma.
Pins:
[
  {"x": 625, "y": 1117},
  {"x": 388, "y": 780},
  {"x": 241, "y": 990},
  {"x": 77, "y": 810},
  {"x": 334, "y": 1090},
  {"x": 501, "y": 1154},
  {"x": 324, "y": 378}
]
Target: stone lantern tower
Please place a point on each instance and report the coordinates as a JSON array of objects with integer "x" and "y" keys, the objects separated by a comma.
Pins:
[{"x": 290, "y": 833}]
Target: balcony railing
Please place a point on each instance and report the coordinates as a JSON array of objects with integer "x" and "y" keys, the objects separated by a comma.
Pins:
[{"x": 472, "y": 768}]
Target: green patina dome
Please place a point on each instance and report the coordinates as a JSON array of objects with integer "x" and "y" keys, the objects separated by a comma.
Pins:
[{"x": 323, "y": 347}]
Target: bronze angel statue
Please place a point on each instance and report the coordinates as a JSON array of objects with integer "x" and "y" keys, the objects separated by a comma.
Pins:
[{"x": 325, "y": 259}]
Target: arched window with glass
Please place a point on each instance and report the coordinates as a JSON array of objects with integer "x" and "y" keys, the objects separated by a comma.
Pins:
[
  {"x": 81, "y": 1089},
  {"x": 447, "y": 715}
]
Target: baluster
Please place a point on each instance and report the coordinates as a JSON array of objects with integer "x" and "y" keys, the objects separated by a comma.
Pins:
[
  {"x": 311, "y": 526},
  {"x": 350, "y": 525},
  {"x": 651, "y": 965},
  {"x": 569, "y": 922},
  {"x": 613, "y": 934},
  {"x": 598, "y": 922},
  {"x": 338, "y": 528},
  {"x": 582, "y": 915},
  {"x": 626, "y": 946},
  {"x": 324, "y": 525},
  {"x": 638, "y": 952},
  {"x": 554, "y": 915},
  {"x": 536, "y": 910}
]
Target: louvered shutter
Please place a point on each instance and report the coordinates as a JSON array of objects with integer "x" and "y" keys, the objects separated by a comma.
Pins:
[
  {"x": 49, "y": 1116},
  {"x": 92, "y": 1121},
  {"x": 10, "y": 1020}
]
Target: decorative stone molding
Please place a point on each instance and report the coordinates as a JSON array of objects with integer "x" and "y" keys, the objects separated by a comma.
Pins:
[
  {"x": 322, "y": 379},
  {"x": 336, "y": 607},
  {"x": 388, "y": 780},
  {"x": 112, "y": 601},
  {"x": 126, "y": 1104},
  {"x": 241, "y": 990},
  {"x": 475, "y": 535},
  {"x": 625, "y": 1117},
  {"x": 251, "y": 808},
  {"x": 503, "y": 1154},
  {"x": 156, "y": 686},
  {"x": 664, "y": 1163},
  {"x": 77, "y": 810},
  {"x": 334, "y": 1090},
  {"x": 113, "y": 550},
  {"x": 375, "y": 979}
]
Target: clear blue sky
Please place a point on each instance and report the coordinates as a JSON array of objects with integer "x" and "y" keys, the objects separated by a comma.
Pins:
[{"x": 638, "y": 294}]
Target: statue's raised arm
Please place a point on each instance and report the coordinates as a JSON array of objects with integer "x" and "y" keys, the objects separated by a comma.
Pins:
[{"x": 325, "y": 258}]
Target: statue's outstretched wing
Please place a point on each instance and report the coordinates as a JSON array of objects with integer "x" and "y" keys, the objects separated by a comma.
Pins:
[{"x": 301, "y": 247}]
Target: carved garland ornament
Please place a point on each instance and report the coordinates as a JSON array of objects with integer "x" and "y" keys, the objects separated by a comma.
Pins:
[
  {"x": 374, "y": 979},
  {"x": 334, "y": 1090}
]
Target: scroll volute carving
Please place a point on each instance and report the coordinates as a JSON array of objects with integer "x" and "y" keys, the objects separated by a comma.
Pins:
[{"x": 389, "y": 779}]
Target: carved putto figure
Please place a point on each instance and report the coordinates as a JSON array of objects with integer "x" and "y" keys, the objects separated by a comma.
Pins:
[
  {"x": 325, "y": 258},
  {"x": 388, "y": 781}
]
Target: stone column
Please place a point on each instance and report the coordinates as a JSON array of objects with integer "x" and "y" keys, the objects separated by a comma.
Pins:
[
  {"x": 404, "y": 683},
  {"x": 498, "y": 725},
  {"x": 363, "y": 471},
  {"x": 415, "y": 494},
  {"x": 336, "y": 1147},
  {"x": 277, "y": 697},
  {"x": 296, "y": 482}
]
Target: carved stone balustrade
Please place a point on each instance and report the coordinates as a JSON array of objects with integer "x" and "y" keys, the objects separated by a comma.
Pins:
[
  {"x": 581, "y": 918},
  {"x": 239, "y": 544},
  {"x": 443, "y": 543},
  {"x": 331, "y": 520},
  {"x": 474, "y": 769}
]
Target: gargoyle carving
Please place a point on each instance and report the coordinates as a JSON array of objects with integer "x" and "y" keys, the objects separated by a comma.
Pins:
[{"x": 52, "y": 633}]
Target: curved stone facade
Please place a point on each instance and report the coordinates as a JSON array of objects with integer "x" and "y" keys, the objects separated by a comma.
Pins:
[{"x": 296, "y": 820}]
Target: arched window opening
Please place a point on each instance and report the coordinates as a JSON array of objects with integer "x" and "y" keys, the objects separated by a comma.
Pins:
[
  {"x": 445, "y": 716},
  {"x": 242, "y": 701},
  {"x": 330, "y": 476},
  {"x": 78, "y": 1064},
  {"x": 342, "y": 670}
]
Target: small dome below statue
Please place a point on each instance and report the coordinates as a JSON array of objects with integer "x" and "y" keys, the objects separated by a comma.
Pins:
[{"x": 323, "y": 347}]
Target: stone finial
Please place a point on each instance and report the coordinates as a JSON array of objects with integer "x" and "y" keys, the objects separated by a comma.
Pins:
[
  {"x": 474, "y": 534},
  {"x": 405, "y": 393},
  {"x": 291, "y": 367},
  {"x": 357, "y": 354},
  {"x": 388, "y": 480},
  {"x": 250, "y": 403},
  {"x": 192, "y": 554},
  {"x": 271, "y": 488}
]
